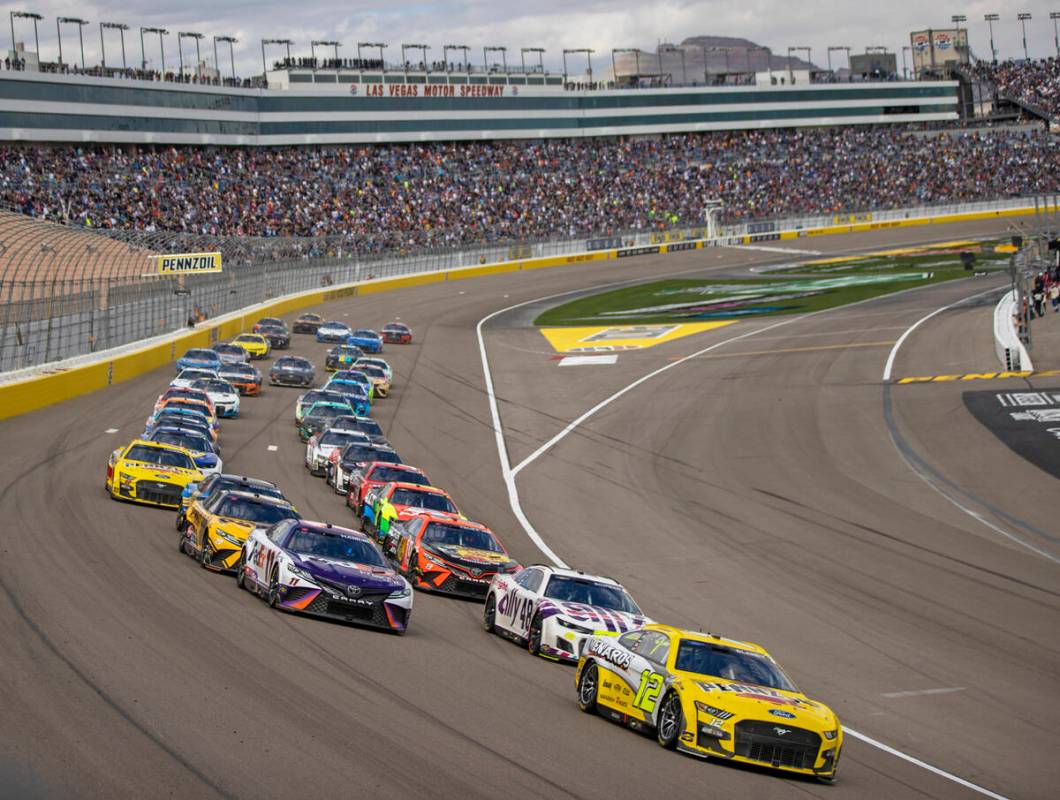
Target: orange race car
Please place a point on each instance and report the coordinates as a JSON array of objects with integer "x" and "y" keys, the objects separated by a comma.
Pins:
[
  {"x": 442, "y": 553},
  {"x": 246, "y": 378},
  {"x": 400, "y": 501}
]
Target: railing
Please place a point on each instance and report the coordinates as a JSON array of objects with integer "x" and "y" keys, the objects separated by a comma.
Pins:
[{"x": 66, "y": 291}]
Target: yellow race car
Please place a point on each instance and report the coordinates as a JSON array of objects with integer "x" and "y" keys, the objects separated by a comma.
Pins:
[
  {"x": 216, "y": 528},
  {"x": 255, "y": 345},
  {"x": 708, "y": 696},
  {"x": 152, "y": 473}
]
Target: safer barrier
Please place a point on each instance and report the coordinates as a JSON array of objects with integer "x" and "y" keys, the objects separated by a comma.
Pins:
[
  {"x": 59, "y": 384},
  {"x": 1011, "y": 352}
]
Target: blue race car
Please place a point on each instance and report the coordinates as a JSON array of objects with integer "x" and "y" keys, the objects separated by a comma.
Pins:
[
  {"x": 367, "y": 340},
  {"x": 353, "y": 393},
  {"x": 333, "y": 331},
  {"x": 203, "y": 450},
  {"x": 199, "y": 358}
]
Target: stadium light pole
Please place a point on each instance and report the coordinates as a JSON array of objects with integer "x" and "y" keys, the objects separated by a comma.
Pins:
[
  {"x": 1054, "y": 16},
  {"x": 504, "y": 58},
  {"x": 161, "y": 47},
  {"x": 1023, "y": 17},
  {"x": 423, "y": 48},
  {"x": 264, "y": 65},
  {"x": 463, "y": 47},
  {"x": 837, "y": 49},
  {"x": 809, "y": 57},
  {"x": 957, "y": 19},
  {"x": 671, "y": 49},
  {"x": 381, "y": 46},
  {"x": 540, "y": 57},
  {"x": 323, "y": 43},
  {"x": 80, "y": 23},
  {"x": 120, "y": 27},
  {"x": 990, "y": 20},
  {"x": 26, "y": 15},
  {"x": 619, "y": 50},
  {"x": 198, "y": 55},
  {"x": 230, "y": 40},
  {"x": 588, "y": 56},
  {"x": 905, "y": 69}
]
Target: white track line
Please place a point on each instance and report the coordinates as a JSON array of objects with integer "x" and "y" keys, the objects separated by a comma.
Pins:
[
  {"x": 901, "y": 339},
  {"x": 924, "y": 765},
  {"x": 508, "y": 474}
]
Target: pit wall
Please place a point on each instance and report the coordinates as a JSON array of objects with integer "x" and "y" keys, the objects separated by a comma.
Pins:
[{"x": 60, "y": 383}]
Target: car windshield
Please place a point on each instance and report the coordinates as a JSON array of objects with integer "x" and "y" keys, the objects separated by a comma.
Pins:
[
  {"x": 461, "y": 535},
  {"x": 732, "y": 664},
  {"x": 248, "y": 337},
  {"x": 342, "y": 325},
  {"x": 419, "y": 499},
  {"x": 387, "y": 474},
  {"x": 187, "y": 406},
  {"x": 182, "y": 419},
  {"x": 159, "y": 456},
  {"x": 218, "y": 387},
  {"x": 242, "y": 486},
  {"x": 364, "y": 333},
  {"x": 201, "y": 355},
  {"x": 238, "y": 372},
  {"x": 340, "y": 438},
  {"x": 335, "y": 545},
  {"x": 369, "y": 426},
  {"x": 185, "y": 440},
  {"x": 590, "y": 593},
  {"x": 194, "y": 374},
  {"x": 324, "y": 413},
  {"x": 291, "y": 361},
  {"x": 253, "y": 510},
  {"x": 227, "y": 348},
  {"x": 397, "y": 327},
  {"x": 348, "y": 390}
]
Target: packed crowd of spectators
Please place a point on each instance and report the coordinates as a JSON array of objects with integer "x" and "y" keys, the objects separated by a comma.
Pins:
[
  {"x": 1036, "y": 83},
  {"x": 445, "y": 195}
]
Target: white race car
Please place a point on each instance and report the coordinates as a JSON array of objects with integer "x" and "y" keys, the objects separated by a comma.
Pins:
[
  {"x": 224, "y": 395},
  {"x": 321, "y": 445},
  {"x": 186, "y": 377},
  {"x": 374, "y": 361},
  {"x": 321, "y": 569},
  {"x": 553, "y": 611}
]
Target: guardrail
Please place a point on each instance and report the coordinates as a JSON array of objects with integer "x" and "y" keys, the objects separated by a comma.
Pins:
[{"x": 1011, "y": 352}]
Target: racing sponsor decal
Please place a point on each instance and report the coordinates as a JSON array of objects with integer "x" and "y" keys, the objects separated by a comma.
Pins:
[
  {"x": 979, "y": 376},
  {"x": 1028, "y": 423},
  {"x": 677, "y": 247},
  {"x": 617, "y": 338},
  {"x": 776, "y": 712},
  {"x": 715, "y": 712},
  {"x": 637, "y": 251},
  {"x": 750, "y": 692},
  {"x": 520, "y": 610},
  {"x": 184, "y": 263},
  {"x": 609, "y": 652}
]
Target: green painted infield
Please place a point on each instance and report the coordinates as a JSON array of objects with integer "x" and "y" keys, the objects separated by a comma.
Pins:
[{"x": 795, "y": 289}]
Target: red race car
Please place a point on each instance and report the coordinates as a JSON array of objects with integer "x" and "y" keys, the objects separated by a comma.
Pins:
[
  {"x": 441, "y": 553},
  {"x": 376, "y": 473},
  {"x": 396, "y": 333}
]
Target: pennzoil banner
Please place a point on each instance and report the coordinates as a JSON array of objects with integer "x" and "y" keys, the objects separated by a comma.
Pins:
[{"x": 185, "y": 263}]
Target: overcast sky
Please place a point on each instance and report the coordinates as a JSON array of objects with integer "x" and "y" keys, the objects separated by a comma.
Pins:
[{"x": 599, "y": 24}]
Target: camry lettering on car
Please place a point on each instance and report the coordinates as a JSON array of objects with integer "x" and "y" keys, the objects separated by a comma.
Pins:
[{"x": 609, "y": 652}]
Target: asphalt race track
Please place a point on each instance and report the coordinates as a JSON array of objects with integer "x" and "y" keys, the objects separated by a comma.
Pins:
[{"x": 894, "y": 555}]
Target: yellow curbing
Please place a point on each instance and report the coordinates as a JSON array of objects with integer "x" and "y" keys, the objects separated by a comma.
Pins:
[{"x": 40, "y": 391}]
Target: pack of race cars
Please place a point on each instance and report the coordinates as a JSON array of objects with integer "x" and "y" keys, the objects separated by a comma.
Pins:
[{"x": 699, "y": 693}]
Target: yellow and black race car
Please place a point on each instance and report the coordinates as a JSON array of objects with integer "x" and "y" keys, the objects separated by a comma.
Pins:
[
  {"x": 217, "y": 527},
  {"x": 152, "y": 473},
  {"x": 708, "y": 696},
  {"x": 255, "y": 345}
]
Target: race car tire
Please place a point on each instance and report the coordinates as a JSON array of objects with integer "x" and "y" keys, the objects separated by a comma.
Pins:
[
  {"x": 489, "y": 615},
  {"x": 588, "y": 685},
  {"x": 671, "y": 721},
  {"x": 273, "y": 597},
  {"x": 204, "y": 553},
  {"x": 533, "y": 636},
  {"x": 181, "y": 547},
  {"x": 241, "y": 565}
]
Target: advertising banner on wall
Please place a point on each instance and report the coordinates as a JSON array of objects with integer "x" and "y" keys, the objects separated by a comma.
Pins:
[{"x": 186, "y": 263}]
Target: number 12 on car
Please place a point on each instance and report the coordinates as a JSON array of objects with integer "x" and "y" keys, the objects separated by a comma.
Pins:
[{"x": 648, "y": 692}]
